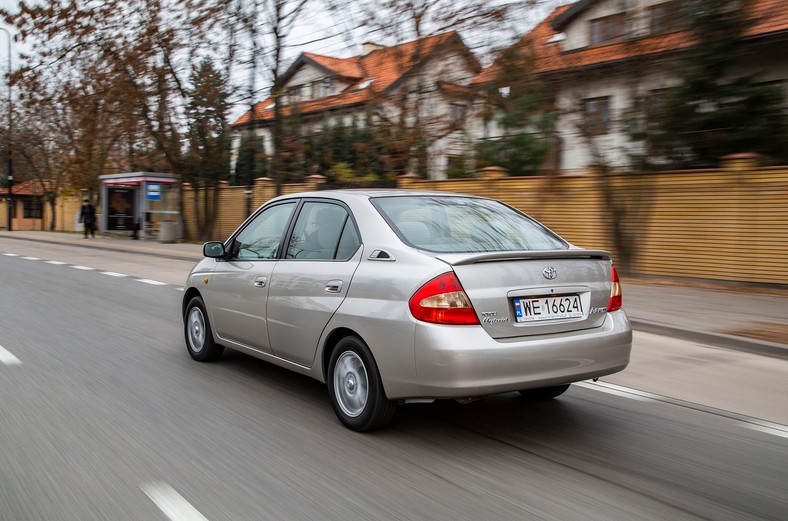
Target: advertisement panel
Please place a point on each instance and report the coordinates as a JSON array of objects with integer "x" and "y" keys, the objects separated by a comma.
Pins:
[{"x": 121, "y": 208}]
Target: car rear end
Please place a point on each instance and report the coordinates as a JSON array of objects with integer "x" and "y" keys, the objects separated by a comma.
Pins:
[
  {"x": 526, "y": 334},
  {"x": 516, "y": 308}
]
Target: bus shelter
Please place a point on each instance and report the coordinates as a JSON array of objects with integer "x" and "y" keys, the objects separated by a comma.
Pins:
[{"x": 141, "y": 203}]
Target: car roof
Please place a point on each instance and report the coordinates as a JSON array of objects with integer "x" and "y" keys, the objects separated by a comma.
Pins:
[{"x": 369, "y": 193}]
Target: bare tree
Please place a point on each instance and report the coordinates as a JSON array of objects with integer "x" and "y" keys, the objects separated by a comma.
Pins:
[
  {"x": 69, "y": 125},
  {"x": 269, "y": 26},
  {"x": 142, "y": 52}
]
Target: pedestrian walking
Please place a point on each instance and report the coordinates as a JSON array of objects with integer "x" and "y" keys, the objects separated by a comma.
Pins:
[{"x": 88, "y": 218}]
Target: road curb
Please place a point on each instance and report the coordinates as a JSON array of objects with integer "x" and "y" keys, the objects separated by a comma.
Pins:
[
  {"x": 735, "y": 343},
  {"x": 108, "y": 247}
]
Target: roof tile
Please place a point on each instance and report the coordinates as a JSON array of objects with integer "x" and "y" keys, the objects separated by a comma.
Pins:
[
  {"x": 347, "y": 67},
  {"x": 387, "y": 65},
  {"x": 29, "y": 187}
]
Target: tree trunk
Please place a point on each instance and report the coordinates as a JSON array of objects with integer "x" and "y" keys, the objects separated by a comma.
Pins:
[{"x": 53, "y": 219}]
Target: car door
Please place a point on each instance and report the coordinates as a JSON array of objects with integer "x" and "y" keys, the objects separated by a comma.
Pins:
[
  {"x": 309, "y": 284},
  {"x": 239, "y": 285}
]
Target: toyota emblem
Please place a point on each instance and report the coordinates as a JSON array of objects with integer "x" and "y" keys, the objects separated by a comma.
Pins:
[{"x": 550, "y": 273}]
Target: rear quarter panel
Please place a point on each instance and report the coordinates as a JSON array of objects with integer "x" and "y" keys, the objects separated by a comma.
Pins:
[{"x": 376, "y": 308}]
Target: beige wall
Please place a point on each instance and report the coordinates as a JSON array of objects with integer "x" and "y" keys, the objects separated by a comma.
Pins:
[
  {"x": 232, "y": 202},
  {"x": 66, "y": 215},
  {"x": 727, "y": 225}
]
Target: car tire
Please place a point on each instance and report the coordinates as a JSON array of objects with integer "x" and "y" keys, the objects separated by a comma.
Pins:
[
  {"x": 197, "y": 330},
  {"x": 355, "y": 388},
  {"x": 544, "y": 393}
]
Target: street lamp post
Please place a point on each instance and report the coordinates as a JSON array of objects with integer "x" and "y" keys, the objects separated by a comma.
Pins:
[{"x": 10, "y": 199}]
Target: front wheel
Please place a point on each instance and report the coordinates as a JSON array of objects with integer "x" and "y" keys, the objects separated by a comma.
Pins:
[
  {"x": 355, "y": 388},
  {"x": 197, "y": 330},
  {"x": 544, "y": 393}
]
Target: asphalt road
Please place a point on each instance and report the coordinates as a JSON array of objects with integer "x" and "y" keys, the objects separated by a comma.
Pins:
[{"x": 104, "y": 416}]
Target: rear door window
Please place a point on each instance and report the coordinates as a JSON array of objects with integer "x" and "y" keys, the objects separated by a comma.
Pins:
[{"x": 323, "y": 231}]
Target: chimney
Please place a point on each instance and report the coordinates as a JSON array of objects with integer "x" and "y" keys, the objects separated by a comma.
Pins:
[{"x": 368, "y": 47}]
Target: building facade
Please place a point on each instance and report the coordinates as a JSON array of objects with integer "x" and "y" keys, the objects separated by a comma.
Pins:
[
  {"x": 421, "y": 84},
  {"x": 29, "y": 210},
  {"x": 604, "y": 59},
  {"x": 601, "y": 61}
]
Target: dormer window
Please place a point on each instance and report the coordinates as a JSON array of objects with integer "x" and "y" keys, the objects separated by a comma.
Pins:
[
  {"x": 294, "y": 94},
  {"x": 607, "y": 29},
  {"x": 321, "y": 88},
  {"x": 366, "y": 83}
]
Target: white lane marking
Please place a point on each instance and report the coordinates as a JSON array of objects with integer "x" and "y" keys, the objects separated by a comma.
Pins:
[
  {"x": 171, "y": 503},
  {"x": 7, "y": 358},
  {"x": 773, "y": 429},
  {"x": 626, "y": 392},
  {"x": 88, "y": 268},
  {"x": 755, "y": 424},
  {"x": 154, "y": 282}
]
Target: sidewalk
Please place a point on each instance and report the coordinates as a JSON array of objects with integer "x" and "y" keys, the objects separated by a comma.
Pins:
[
  {"x": 177, "y": 251},
  {"x": 741, "y": 318}
]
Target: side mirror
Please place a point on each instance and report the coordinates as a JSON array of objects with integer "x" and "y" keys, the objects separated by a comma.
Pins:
[{"x": 213, "y": 250}]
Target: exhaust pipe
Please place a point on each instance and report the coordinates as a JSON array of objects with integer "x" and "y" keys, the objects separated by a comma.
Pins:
[{"x": 466, "y": 401}]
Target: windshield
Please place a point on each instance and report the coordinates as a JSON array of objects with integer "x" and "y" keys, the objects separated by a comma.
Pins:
[{"x": 447, "y": 224}]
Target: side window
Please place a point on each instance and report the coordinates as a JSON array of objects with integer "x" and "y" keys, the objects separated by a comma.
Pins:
[
  {"x": 260, "y": 239},
  {"x": 349, "y": 242},
  {"x": 596, "y": 115},
  {"x": 318, "y": 231}
]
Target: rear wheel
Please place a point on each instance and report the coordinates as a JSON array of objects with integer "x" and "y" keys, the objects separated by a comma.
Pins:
[
  {"x": 545, "y": 393},
  {"x": 197, "y": 330},
  {"x": 355, "y": 387}
]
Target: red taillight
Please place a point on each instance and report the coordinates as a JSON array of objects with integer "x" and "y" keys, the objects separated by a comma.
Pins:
[
  {"x": 615, "y": 293},
  {"x": 443, "y": 301}
]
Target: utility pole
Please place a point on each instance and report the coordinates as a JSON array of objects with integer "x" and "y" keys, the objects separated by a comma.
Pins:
[
  {"x": 10, "y": 199},
  {"x": 250, "y": 144}
]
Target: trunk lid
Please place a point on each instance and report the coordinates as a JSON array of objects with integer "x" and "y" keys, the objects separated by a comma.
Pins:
[{"x": 535, "y": 292}]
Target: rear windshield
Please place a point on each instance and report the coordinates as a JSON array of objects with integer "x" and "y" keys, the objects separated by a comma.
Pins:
[{"x": 447, "y": 224}]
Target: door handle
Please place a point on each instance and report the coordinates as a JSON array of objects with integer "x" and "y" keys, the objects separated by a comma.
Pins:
[
  {"x": 260, "y": 282},
  {"x": 334, "y": 286}
]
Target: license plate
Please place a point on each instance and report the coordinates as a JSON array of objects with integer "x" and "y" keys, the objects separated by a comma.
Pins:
[{"x": 547, "y": 308}]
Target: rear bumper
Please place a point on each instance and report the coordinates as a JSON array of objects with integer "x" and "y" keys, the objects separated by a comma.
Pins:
[{"x": 464, "y": 361}]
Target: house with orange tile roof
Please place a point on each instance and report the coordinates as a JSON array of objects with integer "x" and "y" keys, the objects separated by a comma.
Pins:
[
  {"x": 27, "y": 210},
  {"x": 601, "y": 57},
  {"x": 425, "y": 80}
]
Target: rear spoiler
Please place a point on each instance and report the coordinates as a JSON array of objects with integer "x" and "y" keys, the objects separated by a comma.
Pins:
[{"x": 459, "y": 259}]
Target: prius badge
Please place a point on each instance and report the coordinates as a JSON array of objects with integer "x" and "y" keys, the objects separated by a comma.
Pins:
[{"x": 550, "y": 273}]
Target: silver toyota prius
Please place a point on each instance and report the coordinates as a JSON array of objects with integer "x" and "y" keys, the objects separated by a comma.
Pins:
[{"x": 393, "y": 296}]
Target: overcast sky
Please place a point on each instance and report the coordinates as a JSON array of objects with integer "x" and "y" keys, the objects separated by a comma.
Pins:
[
  {"x": 323, "y": 34},
  {"x": 318, "y": 25}
]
